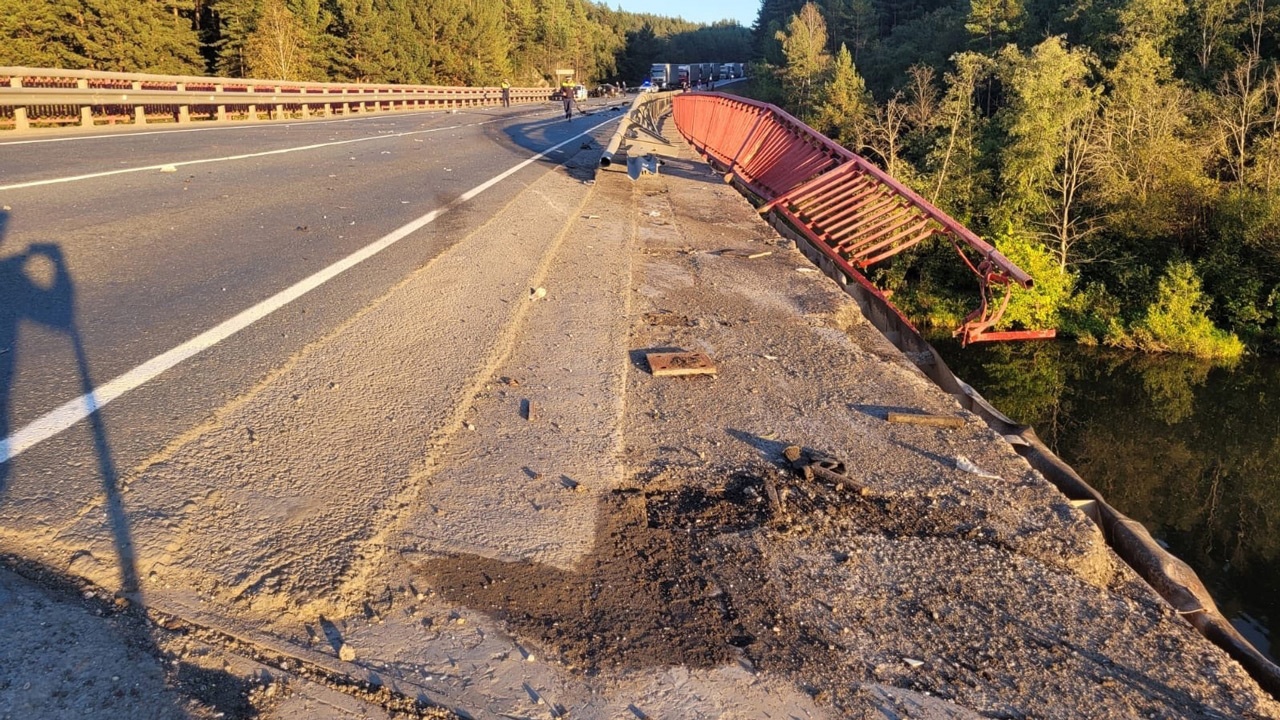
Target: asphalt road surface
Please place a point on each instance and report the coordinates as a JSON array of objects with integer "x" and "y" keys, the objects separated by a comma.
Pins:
[{"x": 165, "y": 271}]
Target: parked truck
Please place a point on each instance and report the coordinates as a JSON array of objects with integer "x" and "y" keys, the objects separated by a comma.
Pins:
[
  {"x": 688, "y": 76},
  {"x": 660, "y": 76}
]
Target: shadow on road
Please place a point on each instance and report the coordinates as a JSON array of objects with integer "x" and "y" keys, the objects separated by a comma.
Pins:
[
  {"x": 62, "y": 629},
  {"x": 36, "y": 286},
  {"x": 580, "y": 157}
]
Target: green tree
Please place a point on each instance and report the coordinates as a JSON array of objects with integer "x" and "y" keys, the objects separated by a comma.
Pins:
[
  {"x": 235, "y": 20},
  {"x": 639, "y": 54},
  {"x": 1149, "y": 170},
  {"x": 39, "y": 33},
  {"x": 846, "y": 105},
  {"x": 1038, "y": 307},
  {"x": 850, "y": 23},
  {"x": 1213, "y": 26},
  {"x": 886, "y": 133},
  {"x": 484, "y": 43},
  {"x": 994, "y": 20},
  {"x": 804, "y": 46},
  {"x": 1177, "y": 321},
  {"x": 1050, "y": 122},
  {"x": 955, "y": 154},
  {"x": 1156, "y": 22},
  {"x": 114, "y": 35},
  {"x": 278, "y": 47}
]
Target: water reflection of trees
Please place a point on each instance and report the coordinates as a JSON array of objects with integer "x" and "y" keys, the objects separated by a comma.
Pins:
[{"x": 1190, "y": 449}]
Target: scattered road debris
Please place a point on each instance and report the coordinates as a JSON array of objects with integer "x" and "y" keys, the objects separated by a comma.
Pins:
[
  {"x": 680, "y": 363},
  {"x": 965, "y": 464},
  {"x": 537, "y": 293},
  {"x": 811, "y": 464}
]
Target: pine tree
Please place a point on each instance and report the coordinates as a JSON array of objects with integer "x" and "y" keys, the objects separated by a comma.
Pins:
[
  {"x": 235, "y": 20},
  {"x": 994, "y": 20},
  {"x": 485, "y": 43},
  {"x": 39, "y": 33},
  {"x": 846, "y": 105}
]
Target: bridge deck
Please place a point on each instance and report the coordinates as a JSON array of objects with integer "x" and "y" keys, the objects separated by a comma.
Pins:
[{"x": 476, "y": 493}]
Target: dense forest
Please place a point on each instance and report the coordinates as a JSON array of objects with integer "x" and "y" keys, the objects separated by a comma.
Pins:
[
  {"x": 446, "y": 42},
  {"x": 1125, "y": 152}
]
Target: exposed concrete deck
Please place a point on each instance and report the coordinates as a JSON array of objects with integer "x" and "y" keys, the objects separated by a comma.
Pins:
[{"x": 386, "y": 507}]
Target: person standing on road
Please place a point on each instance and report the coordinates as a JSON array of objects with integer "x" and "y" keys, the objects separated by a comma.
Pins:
[
  {"x": 566, "y": 96},
  {"x": 506, "y": 94}
]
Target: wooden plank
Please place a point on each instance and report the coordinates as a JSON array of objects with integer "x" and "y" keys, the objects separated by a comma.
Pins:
[
  {"x": 680, "y": 363},
  {"x": 934, "y": 420}
]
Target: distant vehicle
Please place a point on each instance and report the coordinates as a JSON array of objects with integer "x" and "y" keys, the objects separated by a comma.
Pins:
[
  {"x": 660, "y": 76},
  {"x": 726, "y": 71},
  {"x": 647, "y": 86},
  {"x": 709, "y": 72}
]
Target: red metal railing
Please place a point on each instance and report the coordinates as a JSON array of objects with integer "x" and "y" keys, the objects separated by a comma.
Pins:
[{"x": 847, "y": 207}]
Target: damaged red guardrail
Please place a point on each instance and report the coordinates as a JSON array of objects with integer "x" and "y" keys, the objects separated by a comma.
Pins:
[{"x": 847, "y": 207}]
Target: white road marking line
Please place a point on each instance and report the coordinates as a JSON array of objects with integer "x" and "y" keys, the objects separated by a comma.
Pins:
[
  {"x": 228, "y": 158},
  {"x": 267, "y": 125},
  {"x": 73, "y": 411}
]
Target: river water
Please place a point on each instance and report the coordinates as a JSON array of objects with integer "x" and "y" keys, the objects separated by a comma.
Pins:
[{"x": 1189, "y": 449}]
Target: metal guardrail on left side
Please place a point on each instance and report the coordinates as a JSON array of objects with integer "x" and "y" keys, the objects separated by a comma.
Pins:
[
  {"x": 66, "y": 97},
  {"x": 852, "y": 210},
  {"x": 642, "y": 127}
]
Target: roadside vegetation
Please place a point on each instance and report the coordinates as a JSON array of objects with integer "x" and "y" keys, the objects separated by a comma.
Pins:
[
  {"x": 1125, "y": 152},
  {"x": 437, "y": 42}
]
